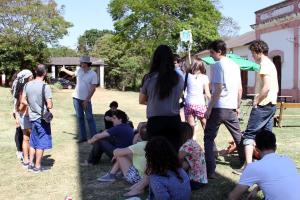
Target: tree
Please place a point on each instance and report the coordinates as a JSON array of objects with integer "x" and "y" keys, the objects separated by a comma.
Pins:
[
  {"x": 155, "y": 22},
  {"x": 87, "y": 41},
  {"x": 62, "y": 51},
  {"x": 228, "y": 28},
  {"x": 125, "y": 67},
  {"x": 26, "y": 27}
]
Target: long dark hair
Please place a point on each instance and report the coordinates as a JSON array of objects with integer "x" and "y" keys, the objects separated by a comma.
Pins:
[
  {"x": 161, "y": 157},
  {"x": 19, "y": 89},
  {"x": 163, "y": 63},
  {"x": 186, "y": 132}
]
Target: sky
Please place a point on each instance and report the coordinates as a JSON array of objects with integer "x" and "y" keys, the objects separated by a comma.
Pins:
[{"x": 88, "y": 14}]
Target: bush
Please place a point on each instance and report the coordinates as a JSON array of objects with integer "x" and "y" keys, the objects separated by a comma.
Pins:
[{"x": 57, "y": 86}]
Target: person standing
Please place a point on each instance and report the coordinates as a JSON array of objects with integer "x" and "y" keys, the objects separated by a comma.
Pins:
[
  {"x": 22, "y": 114},
  {"x": 161, "y": 90},
  {"x": 197, "y": 86},
  {"x": 264, "y": 103},
  {"x": 224, "y": 104},
  {"x": 40, "y": 138},
  {"x": 86, "y": 82}
]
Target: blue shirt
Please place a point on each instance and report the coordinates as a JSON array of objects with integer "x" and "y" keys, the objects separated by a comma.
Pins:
[
  {"x": 123, "y": 135},
  {"x": 170, "y": 187}
]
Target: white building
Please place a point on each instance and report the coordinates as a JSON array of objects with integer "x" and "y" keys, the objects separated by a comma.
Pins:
[{"x": 278, "y": 25}]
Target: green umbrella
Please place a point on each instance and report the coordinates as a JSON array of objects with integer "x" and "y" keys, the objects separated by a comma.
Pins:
[{"x": 242, "y": 62}]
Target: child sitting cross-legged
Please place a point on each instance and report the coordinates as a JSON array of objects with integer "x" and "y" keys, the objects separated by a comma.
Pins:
[
  {"x": 131, "y": 161},
  {"x": 192, "y": 157}
]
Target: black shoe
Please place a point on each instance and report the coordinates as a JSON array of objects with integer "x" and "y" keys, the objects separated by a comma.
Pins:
[
  {"x": 81, "y": 141},
  {"x": 212, "y": 176}
]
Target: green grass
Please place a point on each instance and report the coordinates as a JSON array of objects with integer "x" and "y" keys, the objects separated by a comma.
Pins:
[{"x": 66, "y": 177}]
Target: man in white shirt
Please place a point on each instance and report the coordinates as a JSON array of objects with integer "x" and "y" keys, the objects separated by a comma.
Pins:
[
  {"x": 224, "y": 104},
  {"x": 275, "y": 175},
  {"x": 264, "y": 103},
  {"x": 86, "y": 82}
]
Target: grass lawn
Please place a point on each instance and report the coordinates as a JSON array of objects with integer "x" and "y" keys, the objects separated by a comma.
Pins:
[{"x": 66, "y": 177}]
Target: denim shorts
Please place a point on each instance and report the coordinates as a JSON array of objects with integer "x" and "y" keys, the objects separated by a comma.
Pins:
[
  {"x": 132, "y": 175},
  {"x": 24, "y": 121}
]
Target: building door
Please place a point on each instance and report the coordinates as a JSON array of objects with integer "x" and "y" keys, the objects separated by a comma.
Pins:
[{"x": 277, "y": 63}]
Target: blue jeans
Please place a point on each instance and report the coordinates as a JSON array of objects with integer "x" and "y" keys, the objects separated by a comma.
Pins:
[
  {"x": 261, "y": 118},
  {"x": 81, "y": 114}
]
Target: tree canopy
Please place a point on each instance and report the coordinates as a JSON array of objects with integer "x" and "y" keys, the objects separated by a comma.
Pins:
[
  {"x": 87, "y": 41},
  {"x": 160, "y": 21},
  {"x": 26, "y": 27}
]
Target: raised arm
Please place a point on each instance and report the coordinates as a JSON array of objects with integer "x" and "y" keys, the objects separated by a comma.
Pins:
[{"x": 69, "y": 72}]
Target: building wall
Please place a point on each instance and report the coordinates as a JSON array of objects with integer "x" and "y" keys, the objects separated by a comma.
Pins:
[{"x": 282, "y": 40}]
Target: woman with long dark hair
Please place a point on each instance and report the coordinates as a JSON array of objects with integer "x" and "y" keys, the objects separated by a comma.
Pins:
[
  {"x": 167, "y": 180},
  {"x": 161, "y": 90},
  {"x": 22, "y": 112}
]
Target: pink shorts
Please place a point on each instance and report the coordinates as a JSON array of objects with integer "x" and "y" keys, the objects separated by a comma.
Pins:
[{"x": 195, "y": 110}]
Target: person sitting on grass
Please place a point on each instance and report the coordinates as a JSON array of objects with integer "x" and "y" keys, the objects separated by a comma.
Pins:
[
  {"x": 167, "y": 180},
  {"x": 131, "y": 161},
  {"x": 108, "y": 114},
  {"x": 275, "y": 175},
  {"x": 142, "y": 126},
  {"x": 119, "y": 136},
  {"x": 192, "y": 157}
]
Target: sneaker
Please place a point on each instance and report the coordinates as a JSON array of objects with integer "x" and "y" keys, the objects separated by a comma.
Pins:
[
  {"x": 19, "y": 155},
  {"x": 39, "y": 170},
  {"x": 107, "y": 178},
  {"x": 25, "y": 165},
  {"x": 119, "y": 175},
  {"x": 30, "y": 167}
]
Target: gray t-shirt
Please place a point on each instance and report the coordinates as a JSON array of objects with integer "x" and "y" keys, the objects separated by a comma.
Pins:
[
  {"x": 157, "y": 107},
  {"x": 33, "y": 93}
]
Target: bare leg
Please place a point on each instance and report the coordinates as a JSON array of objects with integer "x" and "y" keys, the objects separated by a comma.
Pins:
[
  {"x": 249, "y": 153},
  {"x": 191, "y": 120},
  {"x": 115, "y": 168},
  {"x": 31, "y": 154},
  {"x": 25, "y": 145},
  {"x": 124, "y": 163},
  {"x": 39, "y": 155}
]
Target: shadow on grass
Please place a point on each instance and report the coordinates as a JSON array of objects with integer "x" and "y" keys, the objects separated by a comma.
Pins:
[
  {"x": 48, "y": 161},
  {"x": 91, "y": 189}
]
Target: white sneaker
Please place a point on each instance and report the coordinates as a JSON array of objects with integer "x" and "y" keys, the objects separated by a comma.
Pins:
[{"x": 19, "y": 155}]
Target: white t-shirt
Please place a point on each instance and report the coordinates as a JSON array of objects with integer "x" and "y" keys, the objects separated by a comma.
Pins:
[
  {"x": 267, "y": 68},
  {"x": 195, "y": 89},
  {"x": 84, "y": 81},
  {"x": 228, "y": 73},
  {"x": 276, "y": 175}
]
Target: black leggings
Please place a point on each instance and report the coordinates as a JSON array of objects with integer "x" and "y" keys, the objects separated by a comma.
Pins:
[
  {"x": 19, "y": 138},
  {"x": 166, "y": 126}
]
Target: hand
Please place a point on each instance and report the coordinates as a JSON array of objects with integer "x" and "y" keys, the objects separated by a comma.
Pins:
[
  {"x": 91, "y": 141},
  {"x": 207, "y": 113},
  {"x": 85, "y": 104},
  {"x": 107, "y": 118},
  {"x": 17, "y": 122},
  {"x": 253, "y": 193},
  {"x": 255, "y": 102},
  {"x": 63, "y": 69},
  {"x": 238, "y": 112},
  {"x": 113, "y": 159}
]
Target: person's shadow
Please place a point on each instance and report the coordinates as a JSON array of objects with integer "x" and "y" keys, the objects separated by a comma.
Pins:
[{"x": 47, "y": 161}]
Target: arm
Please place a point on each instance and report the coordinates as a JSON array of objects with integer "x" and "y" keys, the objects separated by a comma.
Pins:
[
  {"x": 98, "y": 136},
  {"x": 23, "y": 101},
  {"x": 207, "y": 92},
  {"x": 49, "y": 104},
  {"x": 91, "y": 93},
  {"x": 265, "y": 90},
  {"x": 143, "y": 99},
  {"x": 69, "y": 72},
  {"x": 215, "y": 97},
  {"x": 237, "y": 192}
]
